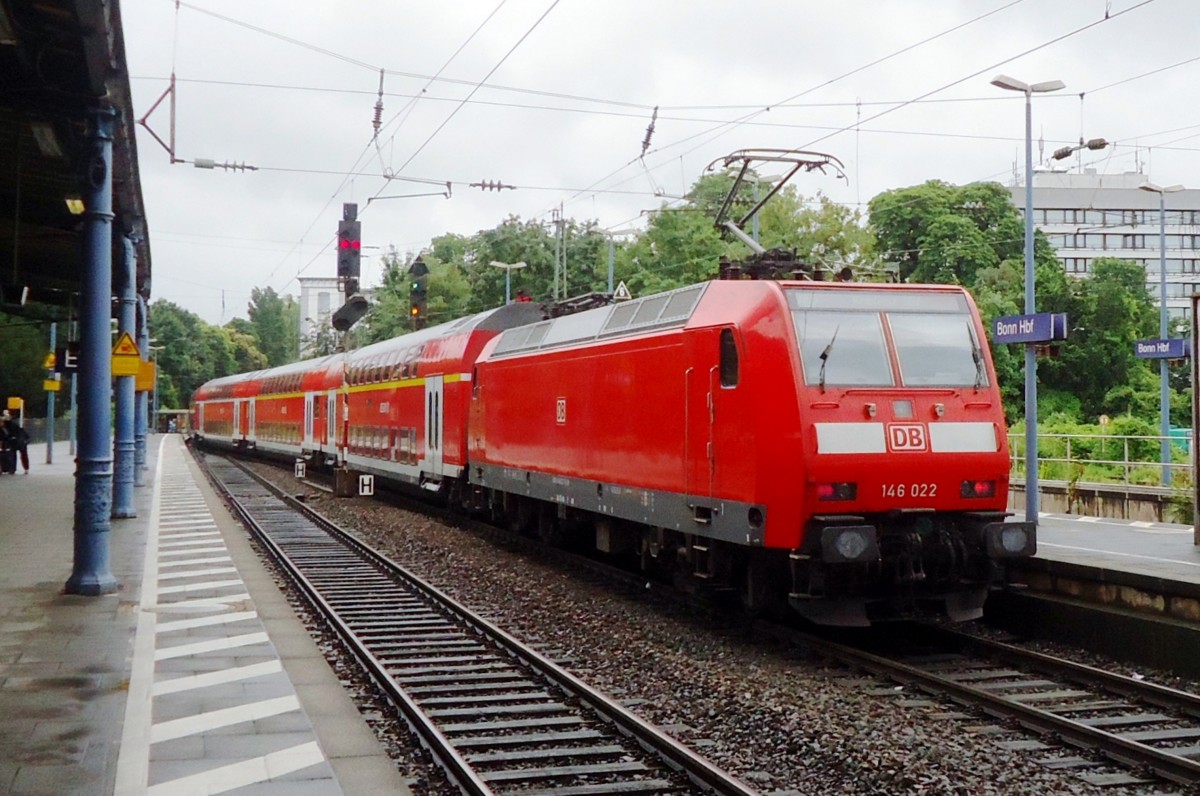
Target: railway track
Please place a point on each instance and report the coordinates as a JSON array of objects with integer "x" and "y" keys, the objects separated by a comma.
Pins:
[
  {"x": 496, "y": 715},
  {"x": 1150, "y": 732}
]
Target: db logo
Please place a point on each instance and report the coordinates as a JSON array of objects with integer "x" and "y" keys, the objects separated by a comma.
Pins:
[{"x": 906, "y": 437}]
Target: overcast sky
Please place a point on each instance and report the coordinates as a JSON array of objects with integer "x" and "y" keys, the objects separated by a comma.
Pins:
[{"x": 554, "y": 98}]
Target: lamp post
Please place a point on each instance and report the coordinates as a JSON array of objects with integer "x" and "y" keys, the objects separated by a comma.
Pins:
[
  {"x": 1031, "y": 444},
  {"x": 1164, "y": 398},
  {"x": 154, "y": 349},
  {"x": 508, "y": 269}
]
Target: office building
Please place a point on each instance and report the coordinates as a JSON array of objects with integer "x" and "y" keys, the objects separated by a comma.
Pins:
[{"x": 1086, "y": 216}]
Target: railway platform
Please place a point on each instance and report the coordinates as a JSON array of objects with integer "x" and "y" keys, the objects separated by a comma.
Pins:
[
  {"x": 1127, "y": 588},
  {"x": 1141, "y": 548},
  {"x": 195, "y": 677}
]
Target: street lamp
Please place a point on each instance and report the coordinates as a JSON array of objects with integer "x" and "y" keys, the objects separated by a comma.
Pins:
[
  {"x": 508, "y": 269},
  {"x": 1031, "y": 451},
  {"x": 1164, "y": 398}
]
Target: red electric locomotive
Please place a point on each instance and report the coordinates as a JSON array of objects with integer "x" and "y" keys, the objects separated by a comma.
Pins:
[{"x": 837, "y": 447}]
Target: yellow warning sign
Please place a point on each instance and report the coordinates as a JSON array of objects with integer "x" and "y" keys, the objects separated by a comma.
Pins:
[
  {"x": 50, "y": 385},
  {"x": 125, "y": 365},
  {"x": 48, "y": 362},
  {"x": 144, "y": 381},
  {"x": 125, "y": 346}
]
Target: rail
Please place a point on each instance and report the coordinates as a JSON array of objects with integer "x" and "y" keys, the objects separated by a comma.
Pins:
[
  {"x": 496, "y": 715},
  {"x": 1113, "y": 718}
]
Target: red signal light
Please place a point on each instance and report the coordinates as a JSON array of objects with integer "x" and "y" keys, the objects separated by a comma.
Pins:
[
  {"x": 842, "y": 490},
  {"x": 978, "y": 489}
]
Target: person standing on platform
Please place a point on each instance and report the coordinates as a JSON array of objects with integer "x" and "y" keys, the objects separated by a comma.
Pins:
[
  {"x": 8, "y": 456},
  {"x": 17, "y": 441}
]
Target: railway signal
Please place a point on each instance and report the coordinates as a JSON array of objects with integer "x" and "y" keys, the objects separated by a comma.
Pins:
[
  {"x": 418, "y": 292},
  {"x": 349, "y": 248},
  {"x": 349, "y": 313}
]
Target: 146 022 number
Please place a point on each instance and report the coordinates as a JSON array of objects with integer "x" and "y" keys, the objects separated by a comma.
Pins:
[{"x": 919, "y": 490}]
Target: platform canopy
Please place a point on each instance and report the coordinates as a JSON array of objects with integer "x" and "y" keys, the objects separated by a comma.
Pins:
[{"x": 58, "y": 60}]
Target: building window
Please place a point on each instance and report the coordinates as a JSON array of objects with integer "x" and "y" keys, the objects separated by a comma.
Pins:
[{"x": 322, "y": 303}]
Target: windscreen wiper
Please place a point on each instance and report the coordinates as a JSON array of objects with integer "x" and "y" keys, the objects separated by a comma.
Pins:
[
  {"x": 977, "y": 355},
  {"x": 825, "y": 355}
]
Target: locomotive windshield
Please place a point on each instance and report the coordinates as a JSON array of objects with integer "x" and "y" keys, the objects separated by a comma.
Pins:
[{"x": 843, "y": 341}]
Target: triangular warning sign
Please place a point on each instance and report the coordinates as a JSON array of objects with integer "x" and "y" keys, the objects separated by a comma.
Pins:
[
  {"x": 125, "y": 346},
  {"x": 622, "y": 292}
]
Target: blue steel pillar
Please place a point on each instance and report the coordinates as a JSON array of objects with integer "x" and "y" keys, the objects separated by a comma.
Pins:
[
  {"x": 123, "y": 445},
  {"x": 142, "y": 401},
  {"x": 93, "y": 472}
]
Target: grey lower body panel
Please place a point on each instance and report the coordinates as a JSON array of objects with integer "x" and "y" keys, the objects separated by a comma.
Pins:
[{"x": 725, "y": 520}]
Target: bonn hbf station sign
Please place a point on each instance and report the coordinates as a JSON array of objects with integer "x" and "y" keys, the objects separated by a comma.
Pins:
[
  {"x": 1040, "y": 327},
  {"x": 1171, "y": 348}
]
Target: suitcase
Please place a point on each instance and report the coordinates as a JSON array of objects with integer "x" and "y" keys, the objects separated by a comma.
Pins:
[{"x": 8, "y": 461}]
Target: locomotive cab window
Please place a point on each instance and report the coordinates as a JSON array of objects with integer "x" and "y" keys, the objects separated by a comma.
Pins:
[
  {"x": 843, "y": 342},
  {"x": 938, "y": 351},
  {"x": 729, "y": 359}
]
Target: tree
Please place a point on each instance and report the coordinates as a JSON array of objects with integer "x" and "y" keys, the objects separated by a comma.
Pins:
[
  {"x": 276, "y": 322},
  {"x": 679, "y": 247},
  {"x": 1097, "y": 362},
  {"x": 244, "y": 344},
  {"x": 192, "y": 352},
  {"x": 321, "y": 341},
  {"x": 26, "y": 343},
  {"x": 946, "y": 233},
  {"x": 447, "y": 295},
  {"x": 822, "y": 232}
]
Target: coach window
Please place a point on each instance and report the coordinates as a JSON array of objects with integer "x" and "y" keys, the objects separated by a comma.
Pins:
[{"x": 729, "y": 359}]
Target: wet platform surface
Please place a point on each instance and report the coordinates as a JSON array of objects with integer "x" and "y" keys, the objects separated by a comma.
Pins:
[{"x": 194, "y": 677}]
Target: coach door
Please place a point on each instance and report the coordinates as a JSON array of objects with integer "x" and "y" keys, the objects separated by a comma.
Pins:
[
  {"x": 309, "y": 407},
  {"x": 237, "y": 419},
  {"x": 433, "y": 424},
  {"x": 707, "y": 412},
  {"x": 250, "y": 421},
  {"x": 331, "y": 420}
]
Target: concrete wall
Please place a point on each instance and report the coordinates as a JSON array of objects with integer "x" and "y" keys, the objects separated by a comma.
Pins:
[{"x": 1145, "y": 503}]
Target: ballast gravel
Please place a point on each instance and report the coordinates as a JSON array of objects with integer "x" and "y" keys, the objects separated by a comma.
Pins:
[{"x": 783, "y": 722}]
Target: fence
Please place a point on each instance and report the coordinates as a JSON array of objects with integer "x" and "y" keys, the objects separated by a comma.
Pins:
[
  {"x": 36, "y": 426},
  {"x": 1103, "y": 459}
]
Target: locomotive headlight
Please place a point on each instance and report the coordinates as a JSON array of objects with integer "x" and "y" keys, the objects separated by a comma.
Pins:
[
  {"x": 844, "y": 544},
  {"x": 1011, "y": 539},
  {"x": 851, "y": 545}
]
